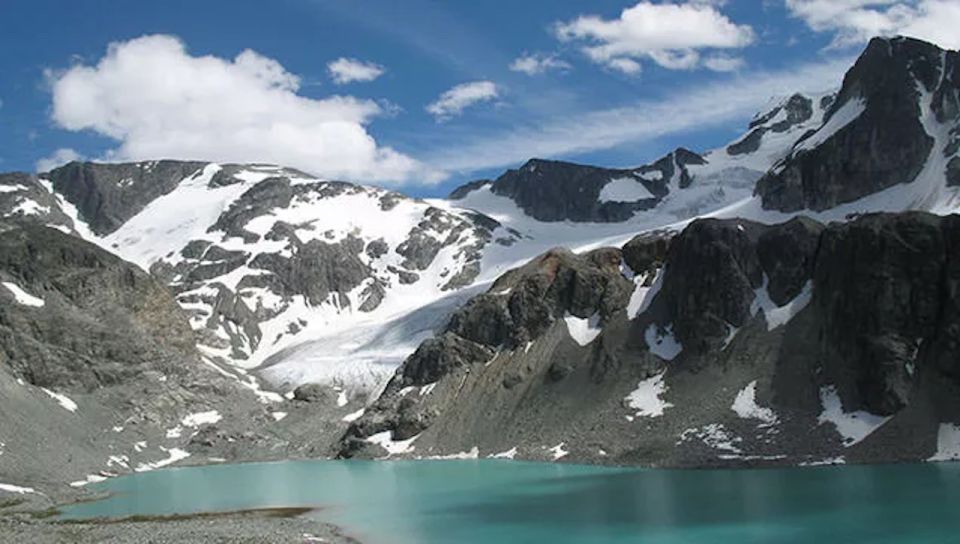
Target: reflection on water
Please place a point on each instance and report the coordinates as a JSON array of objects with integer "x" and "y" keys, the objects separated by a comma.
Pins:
[{"x": 502, "y": 501}]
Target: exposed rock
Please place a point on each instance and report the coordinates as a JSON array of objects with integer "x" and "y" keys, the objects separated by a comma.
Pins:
[
  {"x": 23, "y": 198},
  {"x": 646, "y": 252},
  {"x": 314, "y": 392},
  {"x": 107, "y": 195},
  {"x": 796, "y": 110},
  {"x": 884, "y": 146},
  {"x": 953, "y": 172},
  {"x": 563, "y": 191}
]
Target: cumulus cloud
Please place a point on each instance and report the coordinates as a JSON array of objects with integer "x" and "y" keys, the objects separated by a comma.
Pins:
[
  {"x": 671, "y": 35},
  {"x": 345, "y": 70},
  {"x": 158, "y": 101},
  {"x": 538, "y": 63},
  {"x": 457, "y": 99},
  {"x": 855, "y": 21},
  {"x": 59, "y": 157}
]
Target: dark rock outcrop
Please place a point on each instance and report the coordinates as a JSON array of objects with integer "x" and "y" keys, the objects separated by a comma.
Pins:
[
  {"x": 107, "y": 195},
  {"x": 883, "y": 146},
  {"x": 866, "y": 311},
  {"x": 564, "y": 191},
  {"x": 104, "y": 321}
]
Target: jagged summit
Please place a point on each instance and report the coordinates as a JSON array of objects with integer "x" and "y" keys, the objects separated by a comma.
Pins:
[{"x": 894, "y": 121}]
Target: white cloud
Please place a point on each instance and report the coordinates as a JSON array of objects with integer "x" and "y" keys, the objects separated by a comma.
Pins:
[
  {"x": 454, "y": 101},
  {"x": 625, "y": 65},
  {"x": 538, "y": 63},
  {"x": 158, "y": 101},
  {"x": 723, "y": 63},
  {"x": 58, "y": 158},
  {"x": 855, "y": 21},
  {"x": 706, "y": 106},
  {"x": 672, "y": 35},
  {"x": 344, "y": 70}
]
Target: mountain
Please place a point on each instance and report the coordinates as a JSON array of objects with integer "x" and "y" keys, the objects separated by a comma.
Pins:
[
  {"x": 894, "y": 122},
  {"x": 678, "y": 312},
  {"x": 735, "y": 343}
]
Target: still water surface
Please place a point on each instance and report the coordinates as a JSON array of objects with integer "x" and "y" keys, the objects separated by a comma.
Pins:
[{"x": 487, "y": 501}]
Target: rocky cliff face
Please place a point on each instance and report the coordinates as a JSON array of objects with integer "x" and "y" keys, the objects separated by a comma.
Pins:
[
  {"x": 100, "y": 374},
  {"x": 737, "y": 343},
  {"x": 564, "y": 191},
  {"x": 107, "y": 195},
  {"x": 889, "y": 120}
]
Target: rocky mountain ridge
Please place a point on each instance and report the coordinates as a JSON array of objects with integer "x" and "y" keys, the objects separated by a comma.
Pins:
[{"x": 741, "y": 343}]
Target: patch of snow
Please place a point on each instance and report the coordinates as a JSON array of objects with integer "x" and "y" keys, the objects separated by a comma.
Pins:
[
  {"x": 278, "y": 416},
  {"x": 119, "y": 460},
  {"x": 647, "y": 399},
  {"x": 948, "y": 443},
  {"x": 777, "y": 316},
  {"x": 173, "y": 455},
  {"x": 393, "y": 447},
  {"x": 662, "y": 343},
  {"x": 27, "y": 206},
  {"x": 715, "y": 436},
  {"x": 558, "y": 452},
  {"x": 11, "y": 188},
  {"x": 23, "y": 297},
  {"x": 201, "y": 418},
  {"x": 583, "y": 331},
  {"x": 642, "y": 296},
  {"x": 61, "y": 399},
  {"x": 624, "y": 190},
  {"x": 842, "y": 117},
  {"x": 353, "y": 416},
  {"x": 652, "y": 175},
  {"x": 91, "y": 479},
  {"x": 852, "y": 426},
  {"x": 140, "y": 446},
  {"x": 427, "y": 389},
  {"x": 342, "y": 399},
  {"x": 509, "y": 454},
  {"x": 827, "y": 461},
  {"x": 10, "y": 488},
  {"x": 175, "y": 432},
  {"x": 745, "y": 405},
  {"x": 474, "y": 453}
]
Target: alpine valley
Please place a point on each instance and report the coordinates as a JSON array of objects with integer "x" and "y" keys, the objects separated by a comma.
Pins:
[{"x": 790, "y": 298}]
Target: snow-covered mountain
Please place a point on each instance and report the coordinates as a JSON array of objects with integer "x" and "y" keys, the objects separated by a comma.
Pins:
[
  {"x": 301, "y": 280},
  {"x": 751, "y": 343}
]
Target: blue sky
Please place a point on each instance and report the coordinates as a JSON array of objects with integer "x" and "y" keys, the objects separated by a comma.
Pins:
[{"x": 620, "y": 87}]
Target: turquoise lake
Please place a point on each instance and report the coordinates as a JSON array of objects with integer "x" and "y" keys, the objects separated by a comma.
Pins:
[{"x": 488, "y": 501}]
